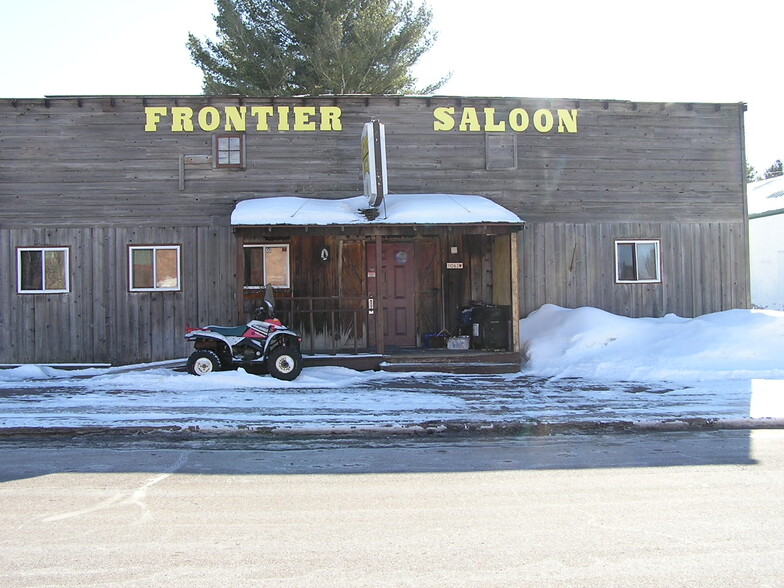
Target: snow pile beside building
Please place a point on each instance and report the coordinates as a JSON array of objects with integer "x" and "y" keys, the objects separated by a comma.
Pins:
[{"x": 591, "y": 343}]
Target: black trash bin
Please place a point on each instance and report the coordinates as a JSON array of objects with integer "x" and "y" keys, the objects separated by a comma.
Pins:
[{"x": 490, "y": 327}]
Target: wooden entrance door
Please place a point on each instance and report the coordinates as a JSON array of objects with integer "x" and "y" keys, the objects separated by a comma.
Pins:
[{"x": 397, "y": 302}]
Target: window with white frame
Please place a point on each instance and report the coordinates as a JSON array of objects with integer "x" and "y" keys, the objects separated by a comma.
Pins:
[
  {"x": 42, "y": 270},
  {"x": 637, "y": 261},
  {"x": 154, "y": 268},
  {"x": 267, "y": 264}
]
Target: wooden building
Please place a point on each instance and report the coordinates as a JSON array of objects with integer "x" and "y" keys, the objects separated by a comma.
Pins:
[{"x": 117, "y": 230}]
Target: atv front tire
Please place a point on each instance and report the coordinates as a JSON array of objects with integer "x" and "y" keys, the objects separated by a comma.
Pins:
[
  {"x": 203, "y": 362},
  {"x": 284, "y": 363}
]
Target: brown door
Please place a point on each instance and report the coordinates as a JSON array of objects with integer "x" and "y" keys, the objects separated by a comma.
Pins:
[{"x": 398, "y": 293}]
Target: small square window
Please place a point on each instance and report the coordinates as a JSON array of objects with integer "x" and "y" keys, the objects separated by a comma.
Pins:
[
  {"x": 637, "y": 261},
  {"x": 42, "y": 270},
  {"x": 230, "y": 151},
  {"x": 267, "y": 264},
  {"x": 154, "y": 268}
]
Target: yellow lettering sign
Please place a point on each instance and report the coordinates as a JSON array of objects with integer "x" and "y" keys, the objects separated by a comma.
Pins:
[
  {"x": 302, "y": 116},
  {"x": 183, "y": 119},
  {"x": 283, "y": 118},
  {"x": 567, "y": 121},
  {"x": 490, "y": 124},
  {"x": 543, "y": 120},
  {"x": 153, "y": 116},
  {"x": 519, "y": 119},
  {"x": 470, "y": 121},
  {"x": 235, "y": 118},
  {"x": 445, "y": 118},
  {"x": 209, "y": 118},
  {"x": 262, "y": 114},
  {"x": 330, "y": 118}
]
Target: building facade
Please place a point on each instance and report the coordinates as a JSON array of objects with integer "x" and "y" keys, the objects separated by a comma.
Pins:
[
  {"x": 766, "y": 248},
  {"x": 116, "y": 222}
]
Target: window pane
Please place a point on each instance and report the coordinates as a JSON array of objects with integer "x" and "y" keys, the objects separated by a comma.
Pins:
[
  {"x": 229, "y": 150},
  {"x": 625, "y": 254},
  {"x": 54, "y": 270},
  {"x": 254, "y": 266},
  {"x": 166, "y": 269},
  {"x": 647, "y": 262},
  {"x": 276, "y": 266},
  {"x": 31, "y": 270},
  {"x": 141, "y": 272}
]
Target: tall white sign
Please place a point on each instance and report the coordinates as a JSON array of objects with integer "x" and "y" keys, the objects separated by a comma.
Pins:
[{"x": 374, "y": 162}]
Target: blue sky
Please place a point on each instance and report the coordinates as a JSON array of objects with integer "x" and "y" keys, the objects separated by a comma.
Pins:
[{"x": 672, "y": 51}]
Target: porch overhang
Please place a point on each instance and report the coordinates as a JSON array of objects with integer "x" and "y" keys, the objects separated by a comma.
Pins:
[
  {"x": 397, "y": 212},
  {"x": 436, "y": 249}
]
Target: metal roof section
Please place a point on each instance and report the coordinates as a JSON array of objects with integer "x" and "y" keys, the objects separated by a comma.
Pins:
[{"x": 766, "y": 197}]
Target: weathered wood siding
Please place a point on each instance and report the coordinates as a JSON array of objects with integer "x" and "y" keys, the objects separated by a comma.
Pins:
[
  {"x": 703, "y": 267},
  {"x": 100, "y": 320},
  {"x": 90, "y": 159},
  {"x": 83, "y": 173}
]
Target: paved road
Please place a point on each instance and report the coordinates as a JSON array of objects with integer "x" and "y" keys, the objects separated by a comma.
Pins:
[{"x": 649, "y": 509}]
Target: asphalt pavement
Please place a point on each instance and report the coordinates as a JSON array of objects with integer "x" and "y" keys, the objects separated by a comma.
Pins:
[{"x": 607, "y": 510}]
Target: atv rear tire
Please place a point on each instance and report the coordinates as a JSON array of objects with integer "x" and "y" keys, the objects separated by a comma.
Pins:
[
  {"x": 284, "y": 363},
  {"x": 203, "y": 362}
]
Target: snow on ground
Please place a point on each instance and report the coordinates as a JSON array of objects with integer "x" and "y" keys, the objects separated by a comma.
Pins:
[
  {"x": 583, "y": 365},
  {"x": 591, "y": 343}
]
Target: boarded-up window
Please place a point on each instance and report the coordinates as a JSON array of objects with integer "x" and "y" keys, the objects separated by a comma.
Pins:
[
  {"x": 267, "y": 264},
  {"x": 154, "y": 268},
  {"x": 42, "y": 270},
  {"x": 501, "y": 150},
  {"x": 637, "y": 261}
]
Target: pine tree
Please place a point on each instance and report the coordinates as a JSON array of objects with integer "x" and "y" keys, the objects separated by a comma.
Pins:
[
  {"x": 751, "y": 174},
  {"x": 774, "y": 170},
  {"x": 293, "y": 47}
]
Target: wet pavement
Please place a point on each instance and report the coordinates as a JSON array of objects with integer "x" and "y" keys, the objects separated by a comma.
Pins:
[{"x": 393, "y": 404}]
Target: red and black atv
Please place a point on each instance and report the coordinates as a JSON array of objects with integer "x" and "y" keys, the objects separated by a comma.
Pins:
[{"x": 262, "y": 343}]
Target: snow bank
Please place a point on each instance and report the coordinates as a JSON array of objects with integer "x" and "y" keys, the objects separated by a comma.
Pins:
[
  {"x": 557, "y": 342},
  {"x": 591, "y": 343},
  {"x": 37, "y": 372},
  {"x": 154, "y": 378}
]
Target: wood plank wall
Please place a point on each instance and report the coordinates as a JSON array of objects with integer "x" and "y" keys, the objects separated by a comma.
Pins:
[
  {"x": 569, "y": 264},
  {"x": 83, "y": 173},
  {"x": 100, "y": 320},
  {"x": 91, "y": 159}
]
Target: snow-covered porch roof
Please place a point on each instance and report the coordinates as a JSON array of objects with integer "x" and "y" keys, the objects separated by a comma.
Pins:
[{"x": 396, "y": 209}]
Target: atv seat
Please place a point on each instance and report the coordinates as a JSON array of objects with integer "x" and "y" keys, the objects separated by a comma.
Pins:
[{"x": 238, "y": 331}]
